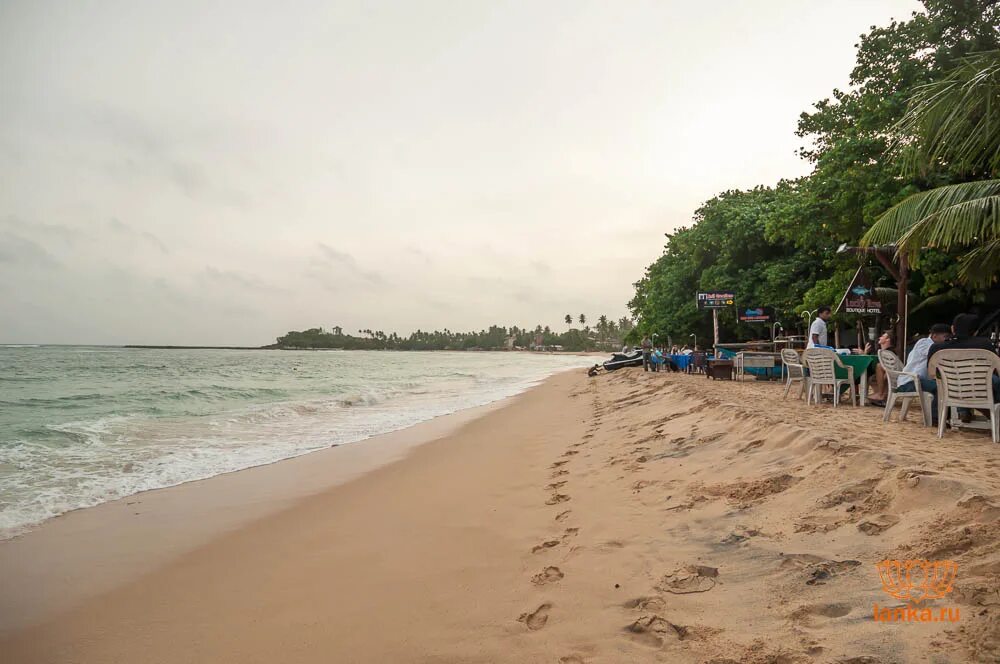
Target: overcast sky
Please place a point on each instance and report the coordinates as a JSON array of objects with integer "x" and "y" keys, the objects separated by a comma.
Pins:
[{"x": 221, "y": 172}]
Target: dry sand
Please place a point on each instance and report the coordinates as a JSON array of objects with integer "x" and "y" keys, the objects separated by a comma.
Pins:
[{"x": 630, "y": 517}]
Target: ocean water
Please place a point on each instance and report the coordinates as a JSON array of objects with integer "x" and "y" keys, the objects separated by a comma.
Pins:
[{"x": 80, "y": 426}]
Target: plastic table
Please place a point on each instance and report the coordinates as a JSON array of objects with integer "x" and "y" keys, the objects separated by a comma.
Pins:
[
  {"x": 682, "y": 361},
  {"x": 861, "y": 364}
]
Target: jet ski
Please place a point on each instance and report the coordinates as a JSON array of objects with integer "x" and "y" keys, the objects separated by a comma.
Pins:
[{"x": 619, "y": 360}]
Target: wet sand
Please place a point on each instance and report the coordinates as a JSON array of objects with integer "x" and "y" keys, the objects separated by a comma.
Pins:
[{"x": 630, "y": 517}]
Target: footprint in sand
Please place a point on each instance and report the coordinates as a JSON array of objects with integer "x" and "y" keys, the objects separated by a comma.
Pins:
[
  {"x": 878, "y": 523},
  {"x": 653, "y": 630},
  {"x": 817, "y": 570},
  {"x": 646, "y": 604},
  {"x": 537, "y": 618},
  {"x": 739, "y": 535},
  {"x": 570, "y": 453},
  {"x": 571, "y": 659},
  {"x": 819, "y": 523},
  {"x": 547, "y": 575},
  {"x": 689, "y": 579},
  {"x": 813, "y": 614},
  {"x": 555, "y": 485},
  {"x": 559, "y": 473},
  {"x": 559, "y": 463},
  {"x": 562, "y": 516},
  {"x": 544, "y": 545},
  {"x": 557, "y": 498}
]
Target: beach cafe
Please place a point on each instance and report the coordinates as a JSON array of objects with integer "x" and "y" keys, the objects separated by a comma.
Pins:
[{"x": 856, "y": 368}]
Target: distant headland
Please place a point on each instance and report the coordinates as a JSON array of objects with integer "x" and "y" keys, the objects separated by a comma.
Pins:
[{"x": 606, "y": 334}]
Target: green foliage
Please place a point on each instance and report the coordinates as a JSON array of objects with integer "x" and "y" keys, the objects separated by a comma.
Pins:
[
  {"x": 607, "y": 336},
  {"x": 953, "y": 217},
  {"x": 954, "y": 123},
  {"x": 777, "y": 246}
]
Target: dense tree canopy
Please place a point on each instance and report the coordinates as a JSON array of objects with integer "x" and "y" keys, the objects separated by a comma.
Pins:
[
  {"x": 607, "y": 335},
  {"x": 777, "y": 245}
]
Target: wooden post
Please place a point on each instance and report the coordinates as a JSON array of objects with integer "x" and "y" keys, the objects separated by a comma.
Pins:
[
  {"x": 902, "y": 305},
  {"x": 715, "y": 324}
]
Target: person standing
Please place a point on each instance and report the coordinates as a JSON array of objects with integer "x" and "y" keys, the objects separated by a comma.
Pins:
[
  {"x": 647, "y": 350},
  {"x": 817, "y": 331}
]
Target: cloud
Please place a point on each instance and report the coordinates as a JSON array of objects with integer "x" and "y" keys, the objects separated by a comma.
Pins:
[
  {"x": 22, "y": 252},
  {"x": 541, "y": 267},
  {"x": 333, "y": 267},
  {"x": 127, "y": 231}
]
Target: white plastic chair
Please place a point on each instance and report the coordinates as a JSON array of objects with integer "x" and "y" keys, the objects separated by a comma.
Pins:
[
  {"x": 893, "y": 368},
  {"x": 796, "y": 371},
  {"x": 965, "y": 380},
  {"x": 822, "y": 363}
]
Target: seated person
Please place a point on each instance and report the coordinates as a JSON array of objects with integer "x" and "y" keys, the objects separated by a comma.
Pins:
[
  {"x": 916, "y": 363},
  {"x": 962, "y": 330},
  {"x": 878, "y": 394}
]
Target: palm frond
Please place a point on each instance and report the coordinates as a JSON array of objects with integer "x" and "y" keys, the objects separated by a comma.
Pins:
[
  {"x": 963, "y": 224},
  {"x": 981, "y": 266},
  {"x": 931, "y": 301},
  {"x": 890, "y": 294},
  {"x": 956, "y": 120},
  {"x": 927, "y": 207}
]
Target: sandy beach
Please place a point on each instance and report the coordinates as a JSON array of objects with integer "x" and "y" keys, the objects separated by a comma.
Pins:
[{"x": 626, "y": 518}]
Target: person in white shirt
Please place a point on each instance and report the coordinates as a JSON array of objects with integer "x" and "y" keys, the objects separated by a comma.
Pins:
[
  {"x": 916, "y": 364},
  {"x": 817, "y": 331}
]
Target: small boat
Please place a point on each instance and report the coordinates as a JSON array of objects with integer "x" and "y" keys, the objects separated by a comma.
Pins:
[{"x": 619, "y": 360}]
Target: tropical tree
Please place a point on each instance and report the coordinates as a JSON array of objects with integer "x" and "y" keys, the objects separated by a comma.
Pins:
[
  {"x": 602, "y": 328},
  {"x": 569, "y": 319},
  {"x": 952, "y": 124},
  {"x": 921, "y": 112},
  {"x": 583, "y": 319}
]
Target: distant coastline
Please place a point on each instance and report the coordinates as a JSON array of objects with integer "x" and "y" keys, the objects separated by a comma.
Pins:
[
  {"x": 199, "y": 347},
  {"x": 278, "y": 347}
]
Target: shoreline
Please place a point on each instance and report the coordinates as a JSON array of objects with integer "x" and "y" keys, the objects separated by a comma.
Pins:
[
  {"x": 30, "y": 510},
  {"x": 223, "y": 503},
  {"x": 631, "y": 517}
]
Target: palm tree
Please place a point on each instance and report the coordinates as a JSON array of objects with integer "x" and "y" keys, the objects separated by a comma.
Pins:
[
  {"x": 956, "y": 216},
  {"x": 602, "y": 327},
  {"x": 569, "y": 319},
  {"x": 952, "y": 122},
  {"x": 583, "y": 319}
]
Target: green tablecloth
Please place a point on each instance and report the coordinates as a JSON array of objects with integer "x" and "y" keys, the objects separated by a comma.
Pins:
[{"x": 861, "y": 363}]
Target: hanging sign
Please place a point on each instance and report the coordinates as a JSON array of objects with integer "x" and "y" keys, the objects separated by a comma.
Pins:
[
  {"x": 860, "y": 297},
  {"x": 755, "y": 314},
  {"x": 716, "y": 299}
]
